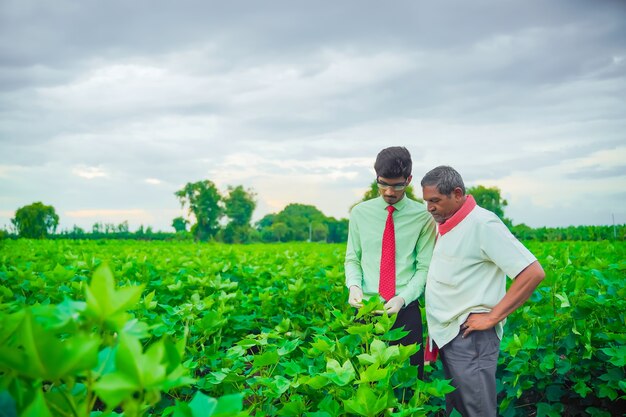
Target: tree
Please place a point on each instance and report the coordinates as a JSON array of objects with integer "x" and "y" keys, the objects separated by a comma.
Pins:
[
  {"x": 319, "y": 232},
  {"x": 490, "y": 199},
  {"x": 180, "y": 224},
  {"x": 279, "y": 231},
  {"x": 337, "y": 230},
  {"x": 36, "y": 221},
  {"x": 203, "y": 200},
  {"x": 239, "y": 205}
]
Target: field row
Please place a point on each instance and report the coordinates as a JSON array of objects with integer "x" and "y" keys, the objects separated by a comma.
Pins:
[{"x": 160, "y": 328}]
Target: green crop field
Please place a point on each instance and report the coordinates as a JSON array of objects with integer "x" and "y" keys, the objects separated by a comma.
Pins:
[{"x": 176, "y": 328}]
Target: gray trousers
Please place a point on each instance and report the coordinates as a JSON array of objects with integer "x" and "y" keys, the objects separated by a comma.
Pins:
[{"x": 471, "y": 364}]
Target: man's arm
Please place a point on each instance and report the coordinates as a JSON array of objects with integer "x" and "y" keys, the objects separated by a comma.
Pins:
[
  {"x": 520, "y": 290},
  {"x": 353, "y": 269}
]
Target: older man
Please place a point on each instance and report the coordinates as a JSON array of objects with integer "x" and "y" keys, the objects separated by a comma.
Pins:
[{"x": 466, "y": 297}]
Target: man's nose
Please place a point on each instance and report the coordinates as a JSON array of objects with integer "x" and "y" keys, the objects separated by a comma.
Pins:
[
  {"x": 389, "y": 191},
  {"x": 430, "y": 207}
]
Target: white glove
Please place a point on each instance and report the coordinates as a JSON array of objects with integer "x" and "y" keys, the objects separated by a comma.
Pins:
[
  {"x": 355, "y": 299},
  {"x": 394, "y": 305}
]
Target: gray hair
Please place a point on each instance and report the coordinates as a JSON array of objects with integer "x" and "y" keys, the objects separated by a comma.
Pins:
[{"x": 445, "y": 178}]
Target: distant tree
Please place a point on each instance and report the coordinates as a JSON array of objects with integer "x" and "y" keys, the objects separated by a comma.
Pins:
[
  {"x": 319, "y": 232},
  {"x": 36, "y": 221},
  {"x": 203, "y": 200},
  {"x": 239, "y": 205},
  {"x": 299, "y": 218},
  {"x": 490, "y": 199},
  {"x": 122, "y": 227},
  {"x": 180, "y": 224},
  {"x": 301, "y": 222},
  {"x": 266, "y": 221},
  {"x": 337, "y": 230},
  {"x": 279, "y": 231},
  {"x": 97, "y": 228}
]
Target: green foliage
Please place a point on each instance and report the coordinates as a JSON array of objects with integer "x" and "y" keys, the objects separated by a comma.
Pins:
[
  {"x": 566, "y": 348},
  {"x": 203, "y": 200},
  {"x": 239, "y": 206},
  {"x": 180, "y": 224},
  {"x": 184, "y": 329},
  {"x": 189, "y": 329},
  {"x": 571, "y": 233},
  {"x": 300, "y": 222},
  {"x": 35, "y": 221},
  {"x": 59, "y": 359}
]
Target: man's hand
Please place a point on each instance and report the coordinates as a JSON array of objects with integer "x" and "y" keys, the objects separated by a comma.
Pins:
[
  {"x": 478, "y": 321},
  {"x": 392, "y": 306},
  {"x": 355, "y": 299}
]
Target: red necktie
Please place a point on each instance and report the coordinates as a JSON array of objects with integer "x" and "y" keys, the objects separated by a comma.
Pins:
[{"x": 387, "y": 284}]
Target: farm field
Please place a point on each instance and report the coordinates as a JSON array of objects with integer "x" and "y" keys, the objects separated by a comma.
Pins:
[{"x": 185, "y": 329}]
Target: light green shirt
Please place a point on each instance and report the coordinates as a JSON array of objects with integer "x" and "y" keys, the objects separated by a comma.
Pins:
[{"x": 415, "y": 237}]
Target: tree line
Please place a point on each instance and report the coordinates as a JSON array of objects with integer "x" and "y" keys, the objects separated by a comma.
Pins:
[{"x": 226, "y": 217}]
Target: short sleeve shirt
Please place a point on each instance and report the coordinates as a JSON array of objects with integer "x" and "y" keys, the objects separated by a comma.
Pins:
[{"x": 468, "y": 272}]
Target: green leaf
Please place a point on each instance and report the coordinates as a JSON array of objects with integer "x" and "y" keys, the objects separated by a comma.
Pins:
[
  {"x": 114, "y": 388},
  {"x": 330, "y": 406},
  {"x": 107, "y": 304},
  {"x": 315, "y": 382},
  {"x": 340, "y": 374},
  {"x": 266, "y": 359},
  {"x": 373, "y": 373},
  {"x": 41, "y": 354},
  {"x": 366, "y": 402},
  {"x": 37, "y": 408},
  {"x": 202, "y": 405},
  {"x": 288, "y": 346},
  {"x": 564, "y": 300},
  {"x": 295, "y": 407},
  {"x": 617, "y": 355},
  {"x": 582, "y": 389}
]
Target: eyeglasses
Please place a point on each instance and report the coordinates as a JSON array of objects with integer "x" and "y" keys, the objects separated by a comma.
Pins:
[{"x": 396, "y": 187}]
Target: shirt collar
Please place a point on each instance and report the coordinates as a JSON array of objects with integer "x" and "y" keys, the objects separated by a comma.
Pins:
[{"x": 458, "y": 217}]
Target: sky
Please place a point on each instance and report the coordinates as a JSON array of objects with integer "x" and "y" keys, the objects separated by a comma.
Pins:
[{"x": 107, "y": 108}]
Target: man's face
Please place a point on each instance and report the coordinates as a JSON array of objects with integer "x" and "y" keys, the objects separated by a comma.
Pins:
[
  {"x": 392, "y": 189},
  {"x": 442, "y": 206}
]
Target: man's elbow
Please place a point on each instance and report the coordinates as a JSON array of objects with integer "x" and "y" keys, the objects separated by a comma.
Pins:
[{"x": 538, "y": 274}]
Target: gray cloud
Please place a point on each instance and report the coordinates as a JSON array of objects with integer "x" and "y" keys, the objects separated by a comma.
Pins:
[{"x": 98, "y": 97}]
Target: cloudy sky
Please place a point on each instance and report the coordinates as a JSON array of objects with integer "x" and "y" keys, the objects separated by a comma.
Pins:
[{"x": 108, "y": 107}]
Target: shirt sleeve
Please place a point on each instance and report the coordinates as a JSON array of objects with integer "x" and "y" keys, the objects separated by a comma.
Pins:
[
  {"x": 424, "y": 252},
  {"x": 502, "y": 248},
  {"x": 353, "y": 269}
]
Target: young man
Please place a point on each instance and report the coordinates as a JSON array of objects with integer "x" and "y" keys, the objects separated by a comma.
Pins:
[
  {"x": 466, "y": 297},
  {"x": 390, "y": 242}
]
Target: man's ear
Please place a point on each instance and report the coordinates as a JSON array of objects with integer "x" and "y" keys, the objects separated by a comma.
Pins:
[
  {"x": 408, "y": 180},
  {"x": 457, "y": 192}
]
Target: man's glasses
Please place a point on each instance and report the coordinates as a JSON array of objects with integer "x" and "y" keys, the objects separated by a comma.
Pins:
[{"x": 396, "y": 187}]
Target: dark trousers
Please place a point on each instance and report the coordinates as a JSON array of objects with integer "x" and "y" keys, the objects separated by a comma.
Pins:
[
  {"x": 471, "y": 363},
  {"x": 410, "y": 317}
]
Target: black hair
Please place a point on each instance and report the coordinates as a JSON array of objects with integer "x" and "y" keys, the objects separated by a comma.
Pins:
[
  {"x": 445, "y": 178},
  {"x": 393, "y": 162}
]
